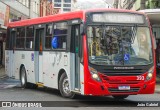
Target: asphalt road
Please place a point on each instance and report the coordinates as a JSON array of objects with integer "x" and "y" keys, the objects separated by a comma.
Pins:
[{"x": 81, "y": 102}]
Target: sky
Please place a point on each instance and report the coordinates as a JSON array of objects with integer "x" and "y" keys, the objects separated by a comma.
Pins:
[{"x": 88, "y": 4}]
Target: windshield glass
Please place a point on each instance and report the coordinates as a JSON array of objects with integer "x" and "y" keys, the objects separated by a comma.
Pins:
[{"x": 119, "y": 45}]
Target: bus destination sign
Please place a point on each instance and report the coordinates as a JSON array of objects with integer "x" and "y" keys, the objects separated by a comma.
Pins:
[{"x": 118, "y": 18}]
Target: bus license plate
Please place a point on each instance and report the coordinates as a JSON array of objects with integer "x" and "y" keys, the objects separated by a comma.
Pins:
[{"x": 124, "y": 87}]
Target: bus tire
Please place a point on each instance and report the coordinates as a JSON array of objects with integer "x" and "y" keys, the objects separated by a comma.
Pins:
[
  {"x": 64, "y": 87},
  {"x": 23, "y": 77},
  {"x": 31, "y": 86},
  {"x": 118, "y": 97}
]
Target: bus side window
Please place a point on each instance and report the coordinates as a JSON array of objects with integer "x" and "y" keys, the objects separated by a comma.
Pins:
[
  {"x": 12, "y": 38},
  {"x": 29, "y": 37},
  {"x": 48, "y": 36},
  {"x": 60, "y": 31},
  {"x": 20, "y": 38}
]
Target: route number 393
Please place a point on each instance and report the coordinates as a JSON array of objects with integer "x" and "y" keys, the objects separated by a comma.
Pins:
[{"x": 140, "y": 77}]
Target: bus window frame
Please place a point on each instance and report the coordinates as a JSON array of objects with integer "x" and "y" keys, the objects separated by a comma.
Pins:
[
  {"x": 16, "y": 38},
  {"x": 58, "y": 49},
  {"x": 70, "y": 24},
  {"x": 48, "y": 49},
  {"x": 11, "y": 40},
  {"x": 61, "y": 49},
  {"x": 29, "y": 49},
  {"x": 36, "y": 27}
]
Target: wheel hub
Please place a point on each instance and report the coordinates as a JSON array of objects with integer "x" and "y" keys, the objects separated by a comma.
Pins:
[{"x": 66, "y": 88}]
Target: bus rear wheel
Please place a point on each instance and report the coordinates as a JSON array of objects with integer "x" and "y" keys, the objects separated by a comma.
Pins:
[
  {"x": 23, "y": 77},
  {"x": 64, "y": 87},
  {"x": 120, "y": 96}
]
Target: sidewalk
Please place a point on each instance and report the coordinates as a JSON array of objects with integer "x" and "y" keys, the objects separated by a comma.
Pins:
[
  {"x": 158, "y": 79},
  {"x": 157, "y": 84},
  {"x": 6, "y": 82},
  {"x": 9, "y": 83},
  {"x": 157, "y": 90}
]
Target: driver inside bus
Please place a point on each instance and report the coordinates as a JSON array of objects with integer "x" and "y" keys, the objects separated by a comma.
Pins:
[{"x": 143, "y": 46}]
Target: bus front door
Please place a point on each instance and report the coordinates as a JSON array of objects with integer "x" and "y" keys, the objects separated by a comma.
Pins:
[
  {"x": 75, "y": 59},
  {"x": 38, "y": 64}
]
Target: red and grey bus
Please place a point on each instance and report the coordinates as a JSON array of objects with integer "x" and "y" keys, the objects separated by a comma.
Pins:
[{"x": 96, "y": 52}]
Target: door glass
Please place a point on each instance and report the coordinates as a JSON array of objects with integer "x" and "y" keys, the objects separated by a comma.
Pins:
[
  {"x": 38, "y": 55},
  {"x": 77, "y": 59},
  {"x": 13, "y": 40},
  {"x": 38, "y": 40}
]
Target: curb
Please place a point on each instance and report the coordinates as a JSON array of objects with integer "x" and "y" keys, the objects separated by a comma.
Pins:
[
  {"x": 157, "y": 88},
  {"x": 4, "y": 77},
  {"x": 157, "y": 91}
]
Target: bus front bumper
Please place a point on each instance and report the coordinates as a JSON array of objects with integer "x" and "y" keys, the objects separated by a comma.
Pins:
[{"x": 103, "y": 88}]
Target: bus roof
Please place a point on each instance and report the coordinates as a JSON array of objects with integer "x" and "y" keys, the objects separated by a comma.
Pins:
[
  {"x": 51, "y": 18},
  {"x": 63, "y": 17}
]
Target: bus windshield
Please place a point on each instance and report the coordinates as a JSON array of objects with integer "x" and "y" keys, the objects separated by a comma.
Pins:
[{"x": 119, "y": 45}]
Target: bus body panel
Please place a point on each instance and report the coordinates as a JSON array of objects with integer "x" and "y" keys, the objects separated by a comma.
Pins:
[
  {"x": 9, "y": 64},
  {"x": 93, "y": 87},
  {"x": 72, "y": 70},
  {"x": 25, "y": 58},
  {"x": 53, "y": 62},
  {"x": 82, "y": 74}
]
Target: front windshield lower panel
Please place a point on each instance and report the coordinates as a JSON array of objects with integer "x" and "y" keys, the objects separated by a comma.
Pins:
[{"x": 119, "y": 45}]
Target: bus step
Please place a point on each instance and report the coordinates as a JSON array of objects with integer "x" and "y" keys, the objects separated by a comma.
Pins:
[
  {"x": 40, "y": 84},
  {"x": 77, "y": 90}
]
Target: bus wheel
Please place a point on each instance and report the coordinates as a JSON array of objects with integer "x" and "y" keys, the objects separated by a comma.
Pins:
[
  {"x": 64, "y": 87},
  {"x": 23, "y": 77},
  {"x": 120, "y": 96}
]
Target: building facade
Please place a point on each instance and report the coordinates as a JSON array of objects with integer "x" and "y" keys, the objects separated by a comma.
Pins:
[
  {"x": 64, "y": 5},
  {"x": 13, "y": 10},
  {"x": 23, "y": 9},
  {"x": 47, "y": 8},
  {"x": 4, "y": 20},
  {"x": 137, "y": 4}
]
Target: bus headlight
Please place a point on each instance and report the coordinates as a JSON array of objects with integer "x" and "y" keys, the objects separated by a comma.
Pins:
[
  {"x": 94, "y": 74},
  {"x": 150, "y": 74}
]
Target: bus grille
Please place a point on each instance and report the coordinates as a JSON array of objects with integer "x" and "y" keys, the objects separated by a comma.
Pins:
[
  {"x": 121, "y": 72},
  {"x": 105, "y": 78},
  {"x": 127, "y": 82},
  {"x": 115, "y": 90}
]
